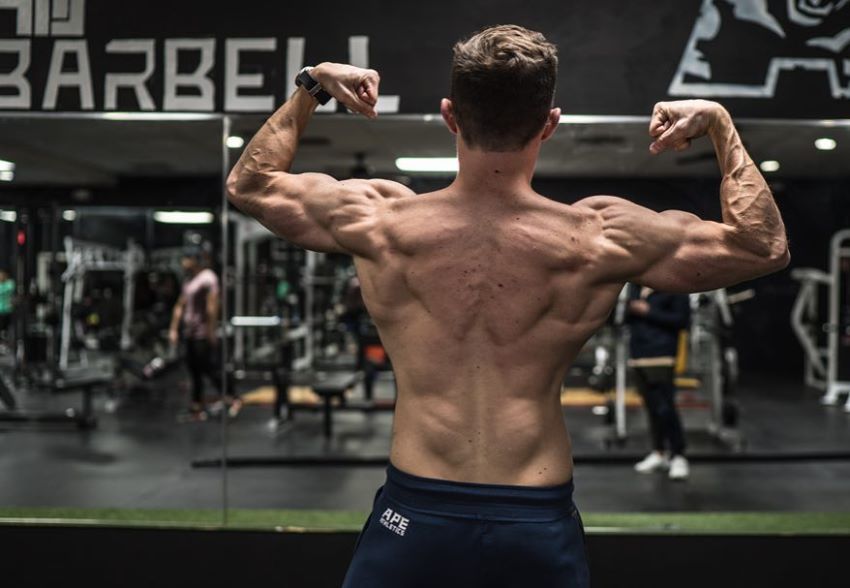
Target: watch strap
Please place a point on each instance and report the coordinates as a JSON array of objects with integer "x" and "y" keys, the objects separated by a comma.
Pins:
[{"x": 313, "y": 87}]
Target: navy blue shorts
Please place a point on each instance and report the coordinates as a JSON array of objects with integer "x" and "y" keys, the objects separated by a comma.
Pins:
[{"x": 438, "y": 534}]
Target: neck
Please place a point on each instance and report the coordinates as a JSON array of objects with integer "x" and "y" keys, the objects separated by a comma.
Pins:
[{"x": 495, "y": 172}]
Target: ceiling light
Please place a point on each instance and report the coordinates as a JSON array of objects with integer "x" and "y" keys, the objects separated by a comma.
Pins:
[
  {"x": 8, "y": 216},
  {"x": 7, "y": 176},
  {"x": 182, "y": 217},
  {"x": 6, "y": 166},
  {"x": 235, "y": 142},
  {"x": 156, "y": 116},
  {"x": 769, "y": 166},
  {"x": 825, "y": 144},
  {"x": 69, "y": 215},
  {"x": 427, "y": 164}
]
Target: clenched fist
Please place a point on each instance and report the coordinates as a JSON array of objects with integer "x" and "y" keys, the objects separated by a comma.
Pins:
[
  {"x": 356, "y": 88},
  {"x": 675, "y": 124}
]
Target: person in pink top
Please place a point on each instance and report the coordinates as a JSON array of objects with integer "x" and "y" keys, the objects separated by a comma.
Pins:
[{"x": 195, "y": 316}]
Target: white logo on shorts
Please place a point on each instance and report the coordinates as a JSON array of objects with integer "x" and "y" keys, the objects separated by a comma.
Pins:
[{"x": 395, "y": 522}]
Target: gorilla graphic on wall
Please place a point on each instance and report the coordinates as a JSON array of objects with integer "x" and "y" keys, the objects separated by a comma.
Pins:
[{"x": 739, "y": 48}]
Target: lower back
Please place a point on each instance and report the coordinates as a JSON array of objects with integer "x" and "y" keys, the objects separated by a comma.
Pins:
[{"x": 473, "y": 420}]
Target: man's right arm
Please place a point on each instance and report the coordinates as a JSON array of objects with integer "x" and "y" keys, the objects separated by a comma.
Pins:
[{"x": 674, "y": 251}]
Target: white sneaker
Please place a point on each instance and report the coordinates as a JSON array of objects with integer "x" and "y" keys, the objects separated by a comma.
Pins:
[
  {"x": 653, "y": 462},
  {"x": 679, "y": 469}
]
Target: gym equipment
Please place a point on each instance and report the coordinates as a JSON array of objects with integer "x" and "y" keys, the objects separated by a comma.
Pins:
[
  {"x": 249, "y": 236},
  {"x": 150, "y": 369},
  {"x": 826, "y": 368},
  {"x": 712, "y": 365},
  {"x": 7, "y": 395},
  {"x": 329, "y": 386},
  {"x": 330, "y": 382},
  {"x": 83, "y": 257},
  {"x": 804, "y": 323},
  {"x": 83, "y": 379}
]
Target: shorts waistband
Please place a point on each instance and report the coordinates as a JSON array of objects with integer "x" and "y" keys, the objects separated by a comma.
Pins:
[{"x": 479, "y": 501}]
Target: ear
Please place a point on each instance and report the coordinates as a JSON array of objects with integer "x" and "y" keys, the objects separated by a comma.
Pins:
[
  {"x": 551, "y": 124},
  {"x": 448, "y": 112}
]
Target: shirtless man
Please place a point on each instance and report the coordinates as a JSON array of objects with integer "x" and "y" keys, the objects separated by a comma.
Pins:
[{"x": 484, "y": 292}]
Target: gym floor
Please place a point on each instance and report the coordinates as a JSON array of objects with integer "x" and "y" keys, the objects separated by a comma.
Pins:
[{"x": 140, "y": 457}]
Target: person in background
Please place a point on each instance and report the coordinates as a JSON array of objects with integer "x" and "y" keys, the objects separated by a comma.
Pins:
[
  {"x": 195, "y": 317},
  {"x": 656, "y": 319},
  {"x": 7, "y": 307}
]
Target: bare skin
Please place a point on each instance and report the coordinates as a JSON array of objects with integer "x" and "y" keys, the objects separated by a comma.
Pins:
[{"x": 484, "y": 292}]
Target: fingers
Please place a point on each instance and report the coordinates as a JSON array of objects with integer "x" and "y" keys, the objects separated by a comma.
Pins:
[
  {"x": 362, "y": 96},
  {"x": 356, "y": 88},
  {"x": 355, "y": 103},
  {"x": 368, "y": 89},
  {"x": 667, "y": 139},
  {"x": 660, "y": 120}
]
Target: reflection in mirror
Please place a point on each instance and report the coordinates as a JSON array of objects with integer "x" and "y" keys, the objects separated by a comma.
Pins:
[
  {"x": 745, "y": 369},
  {"x": 111, "y": 383}
]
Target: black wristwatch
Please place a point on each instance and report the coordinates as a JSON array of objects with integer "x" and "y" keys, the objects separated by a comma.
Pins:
[{"x": 313, "y": 87}]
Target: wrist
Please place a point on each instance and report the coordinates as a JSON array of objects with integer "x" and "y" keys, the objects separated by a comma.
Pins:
[
  {"x": 312, "y": 85},
  {"x": 719, "y": 121},
  {"x": 319, "y": 72}
]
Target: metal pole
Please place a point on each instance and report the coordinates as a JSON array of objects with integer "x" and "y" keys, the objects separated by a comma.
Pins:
[
  {"x": 621, "y": 364},
  {"x": 225, "y": 283},
  {"x": 834, "y": 388},
  {"x": 239, "y": 291},
  {"x": 17, "y": 275},
  {"x": 54, "y": 282},
  {"x": 130, "y": 258},
  {"x": 67, "y": 302},
  {"x": 309, "y": 301},
  {"x": 620, "y": 402}
]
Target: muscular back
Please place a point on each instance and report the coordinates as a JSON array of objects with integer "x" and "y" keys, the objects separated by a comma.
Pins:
[{"x": 482, "y": 305}]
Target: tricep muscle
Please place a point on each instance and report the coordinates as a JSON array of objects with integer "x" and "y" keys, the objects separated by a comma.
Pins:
[{"x": 671, "y": 251}]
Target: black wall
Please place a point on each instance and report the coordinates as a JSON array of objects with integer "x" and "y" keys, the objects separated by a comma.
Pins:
[{"x": 37, "y": 556}]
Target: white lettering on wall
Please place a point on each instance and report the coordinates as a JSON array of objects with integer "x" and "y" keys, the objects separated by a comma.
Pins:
[
  {"x": 198, "y": 79},
  {"x": 17, "y": 77},
  {"x": 135, "y": 81},
  {"x": 358, "y": 55},
  {"x": 23, "y": 13},
  {"x": 235, "y": 81},
  {"x": 182, "y": 90},
  {"x": 42, "y": 18},
  {"x": 68, "y": 18},
  {"x": 79, "y": 79},
  {"x": 65, "y": 18}
]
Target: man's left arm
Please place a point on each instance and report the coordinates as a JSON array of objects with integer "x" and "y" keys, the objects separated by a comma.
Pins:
[{"x": 313, "y": 210}]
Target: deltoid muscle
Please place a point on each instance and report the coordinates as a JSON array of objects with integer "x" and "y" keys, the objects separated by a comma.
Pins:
[{"x": 739, "y": 48}]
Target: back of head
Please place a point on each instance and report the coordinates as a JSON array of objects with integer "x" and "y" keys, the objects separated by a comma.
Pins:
[{"x": 503, "y": 87}]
